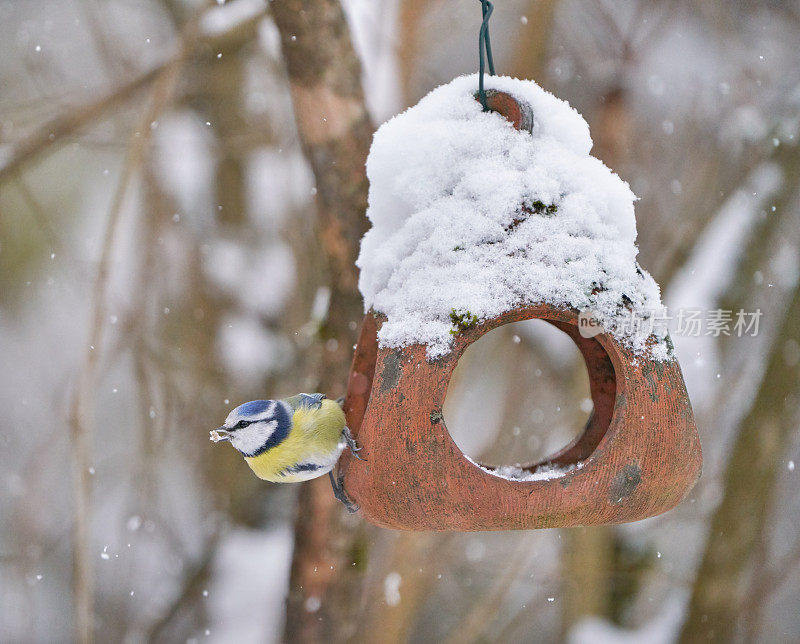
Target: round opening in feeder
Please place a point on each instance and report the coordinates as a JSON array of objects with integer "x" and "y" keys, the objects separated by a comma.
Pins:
[
  {"x": 598, "y": 408},
  {"x": 602, "y": 381},
  {"x": 518, "y": 395}
]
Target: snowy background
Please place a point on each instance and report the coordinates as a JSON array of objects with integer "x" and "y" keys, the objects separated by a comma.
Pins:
[{"x": 160, "y": 239}]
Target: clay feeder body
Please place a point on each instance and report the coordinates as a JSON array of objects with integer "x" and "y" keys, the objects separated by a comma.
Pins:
[{"x": 638, "y": 456}]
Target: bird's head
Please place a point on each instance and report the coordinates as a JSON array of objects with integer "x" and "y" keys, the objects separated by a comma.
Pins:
[{"x": 256, "y": 426}]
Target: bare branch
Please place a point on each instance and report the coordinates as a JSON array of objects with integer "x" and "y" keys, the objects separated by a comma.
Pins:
[
  {"x": 81, "y": 410},
  {"x": 75, "y": 120},
  {"x": 192, "y": 581},
  {"x": 78, "y": 118},
  {"x": 485, "y": 610}
]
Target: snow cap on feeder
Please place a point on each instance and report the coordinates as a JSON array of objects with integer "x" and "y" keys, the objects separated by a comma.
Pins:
[{"x": 472, "y": 216}]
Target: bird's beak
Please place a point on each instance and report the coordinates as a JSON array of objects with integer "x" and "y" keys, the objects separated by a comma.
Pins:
[{"x": 220, "y": 434}]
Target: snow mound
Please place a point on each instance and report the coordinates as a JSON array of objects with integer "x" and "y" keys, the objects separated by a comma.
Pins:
[
  {"x": 472, "y": 218},
  {"x": 546, "y": 472}
]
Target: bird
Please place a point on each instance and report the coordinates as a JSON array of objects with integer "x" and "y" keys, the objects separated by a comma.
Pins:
[{"x": 291, "y": 439}]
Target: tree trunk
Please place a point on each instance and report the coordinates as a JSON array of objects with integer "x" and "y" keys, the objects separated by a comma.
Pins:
[
  {"x": 410, "y": 22},
  {"x": 738, "y": 524},
  {"x": 335, "y": 132},
  {"x": 530, "y": 57}
]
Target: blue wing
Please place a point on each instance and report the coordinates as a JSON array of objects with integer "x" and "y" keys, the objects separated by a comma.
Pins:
[{"x": 308, "y": 401}]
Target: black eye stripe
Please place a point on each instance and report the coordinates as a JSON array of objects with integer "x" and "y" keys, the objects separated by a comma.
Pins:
[
  {"x": 282, "y": 419},
  {"x": 243, "y": 423}
]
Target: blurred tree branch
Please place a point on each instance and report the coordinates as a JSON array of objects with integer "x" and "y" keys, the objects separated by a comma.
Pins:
[
  {"x": 740, "y": 517},
  {"x": 64, "y": 125},
  {"x": 81, "y": 410},
  {"x": 530, "y": 53},
  {"x": 38, "y": 213},
  {"x": 480, "y": 621},
  {"x": 765, "y": 585},
  {"x": 335, "y": 132},
  {"x": 193, "y": 580},
  {"x": 738, "y": 523},
  {"x": 410, "y": 23}
]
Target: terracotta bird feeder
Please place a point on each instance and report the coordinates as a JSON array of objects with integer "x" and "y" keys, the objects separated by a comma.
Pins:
[{"x": 638, "y": 456}]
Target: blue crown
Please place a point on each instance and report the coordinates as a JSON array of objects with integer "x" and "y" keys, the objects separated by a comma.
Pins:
[{"x": 253, "y": 407}]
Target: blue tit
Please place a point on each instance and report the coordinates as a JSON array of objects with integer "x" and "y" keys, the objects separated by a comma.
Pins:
[{"x": 290, "y": 440}]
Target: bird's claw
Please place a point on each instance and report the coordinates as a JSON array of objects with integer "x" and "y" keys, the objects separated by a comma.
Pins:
[
  {"x": 351, "y": 444},
  {"x": 337, "y": 483}
]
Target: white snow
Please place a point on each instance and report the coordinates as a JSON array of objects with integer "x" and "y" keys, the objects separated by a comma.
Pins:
[
  {"x": 279, "y": 182},
  {"x": 662, "y": 628},
  {"x": 240, "y": 270},
  {"x": 248, "y": 588},
  {"x": 248, "y": 349},
  {"x": 545, "y": 472},
  {"x": 448, "y": 184},
  {"x": 391, "y": 588},
  {"x": 373, "y": 26},
  {"x": 184, "y": 163}
]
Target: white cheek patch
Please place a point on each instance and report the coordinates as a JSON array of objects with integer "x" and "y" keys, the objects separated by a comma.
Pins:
[{"x": 250, "y": 439}]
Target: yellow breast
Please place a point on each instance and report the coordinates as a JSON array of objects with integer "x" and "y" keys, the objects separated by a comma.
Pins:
[{"x": 310, "y": 450}]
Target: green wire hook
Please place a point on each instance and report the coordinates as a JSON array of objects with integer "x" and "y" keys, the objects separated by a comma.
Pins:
[{"x": 484, "y": 50}]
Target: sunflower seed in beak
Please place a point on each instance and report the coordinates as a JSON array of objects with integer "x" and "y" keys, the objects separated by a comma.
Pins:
[{"x": 220, "y": 434}]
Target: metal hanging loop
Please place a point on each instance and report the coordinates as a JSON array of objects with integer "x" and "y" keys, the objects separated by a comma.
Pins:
[{"x": 484, "y": 51}]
